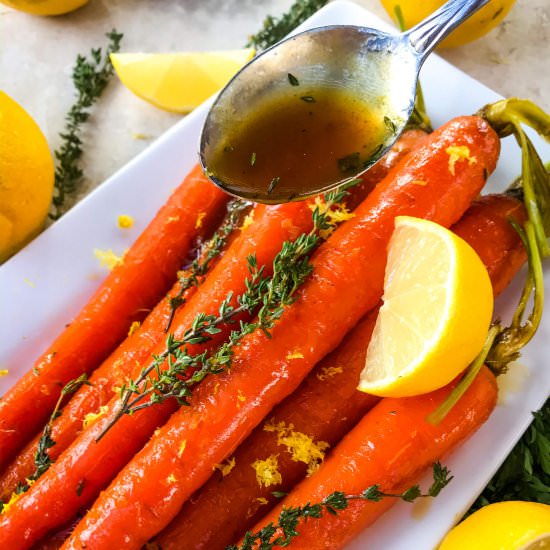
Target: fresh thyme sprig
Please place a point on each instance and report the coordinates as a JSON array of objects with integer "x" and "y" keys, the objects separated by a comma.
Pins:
[
  {"x": 90, "y": 78},
  {"x": 284, "y": 531},
  {"x": 275, "y": 29},
  {"x": 42, "y": 459},
  {"x": 206, "y": 254},
  {"x": 173, "y": 373}
]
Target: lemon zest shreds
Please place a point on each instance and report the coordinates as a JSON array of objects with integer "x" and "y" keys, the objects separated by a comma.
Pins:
[
  {"x": 13, "y": 499},
  {"x": 295, "y": 355},
  {"x": 329, "y": 372},
  {"x": 248, "y": 220},
  {"x": 107, "y": 258},
  {"x": 216, "y": 388},
  {"x": 262, "y": 500},
  {"x": 182, "y": 448},
  {"x": 29, "y": 282},
  {"x": 226, "y": 467},
  {"x": 336, "y": 214},
  {"x": 301, "y": 446},
  {"x": 92, "y": 417},
  {"x": 200, "y": 218},
  {"x": 133, "y": 327},
  {"x": 4, "y": 372},
  {"x": 241, "y": 398},
  {"x": 171, "y": 478},
  {"x": 125, "y": 222},
  {"x": 420, "y": 182},
  {"x": 456, "y": 153},
  {"x": 267, "y": 471}
]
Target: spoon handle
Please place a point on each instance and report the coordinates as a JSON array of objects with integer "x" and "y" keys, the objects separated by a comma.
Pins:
[{"x": 427, "y": 34}]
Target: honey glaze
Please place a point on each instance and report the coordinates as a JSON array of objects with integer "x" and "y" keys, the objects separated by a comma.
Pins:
[{"x": 297, "y": 141}]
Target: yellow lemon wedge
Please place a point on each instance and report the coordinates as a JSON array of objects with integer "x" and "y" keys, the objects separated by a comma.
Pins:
[
  {"x": 181, "y": 81},
  {"x": 45, "y": 7},
  {"x": 438, "y": 303},
  {"x": 26, "y": 177},
  {"x": 476, "y": 26},
  {"x": 511, "y": 525}
]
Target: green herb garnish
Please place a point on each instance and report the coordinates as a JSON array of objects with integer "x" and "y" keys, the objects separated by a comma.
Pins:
[
  {"x": 282, "y": 533},
  {"x": 90, "y": 78},
  {"x": 525, "y": 474},
  {"x": 42, "y": 459},
  {"x": 176, "y": 371},
  {"x": 349, "y": 163},
  {"x": 275, "y": 29},
  {"x": 253, "y": 159},
  {"x": 293, "y": 80},
  {"x": 273, "y": 184}
]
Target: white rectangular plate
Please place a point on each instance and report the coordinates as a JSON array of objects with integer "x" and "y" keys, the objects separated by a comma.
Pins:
[{"x": 47, "y": 283}]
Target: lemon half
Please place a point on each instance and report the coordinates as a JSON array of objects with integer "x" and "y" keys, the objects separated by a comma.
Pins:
[
  {"x": 26, "y": 177},
  {"x": 181, "y": 81},
  {"x": 511, "y": 525},
  {"x": 438, "y": 303}
]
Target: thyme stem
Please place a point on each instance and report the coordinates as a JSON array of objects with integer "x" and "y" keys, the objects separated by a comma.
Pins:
[
  {"x": 285, "y": 530},
  {"x": 90, "y": 78}
]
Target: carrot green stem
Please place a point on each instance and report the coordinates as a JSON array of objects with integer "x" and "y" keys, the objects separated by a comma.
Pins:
[
  {"x": 507, "y": 117},
  {"x": 458, "y": 391}
]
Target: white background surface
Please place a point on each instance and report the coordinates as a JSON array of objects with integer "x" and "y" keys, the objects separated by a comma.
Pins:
[{"x": 46, "y": 284}]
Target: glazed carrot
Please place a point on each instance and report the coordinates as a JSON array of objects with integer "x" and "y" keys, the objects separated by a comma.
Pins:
[
  {"x": 486, "y": 224},
  {"x": 133, "y": 287},
  {"x": 87, "y": 466},
  {"x": 105, "y": 380},
  {"x": 390, "y": 447},
  {"x": 325, "y": 406},
  {"x": 115, "y": 369},
  {"x": 347, "y": 280}
]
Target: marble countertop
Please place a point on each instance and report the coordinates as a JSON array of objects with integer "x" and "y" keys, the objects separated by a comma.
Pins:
[{"x": 38, "y": 54}]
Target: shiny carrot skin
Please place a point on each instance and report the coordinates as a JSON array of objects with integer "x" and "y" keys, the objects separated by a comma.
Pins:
[
  {"x": 88, "y": 465},
  {"x": 347, "y": 280},
  {"x": 130, "y": 290},
  {"x": 105, "y": 380},
  {"x": 391, "y": 447},
  {"x": 327, "y": 404},
  {"x": 486, "y": 224}
]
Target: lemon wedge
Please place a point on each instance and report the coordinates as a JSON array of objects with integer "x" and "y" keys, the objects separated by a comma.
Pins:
[
  {"x": 511, "y": 525},
  {"x": 181, "y": 81},
  {"x": 438, "y": 303},
  {"x": 26, "y": 177}
]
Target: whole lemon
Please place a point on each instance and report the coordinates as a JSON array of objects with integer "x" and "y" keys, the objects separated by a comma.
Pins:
[
  {"x": 45, "y": 7},
  {"x": 26, "y": 177},
  {"x": 479, "y": 24},
  {"x": 511, "y": 525}
]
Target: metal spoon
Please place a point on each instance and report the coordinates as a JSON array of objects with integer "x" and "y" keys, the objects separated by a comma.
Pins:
[{"x": 379, "y": 69}]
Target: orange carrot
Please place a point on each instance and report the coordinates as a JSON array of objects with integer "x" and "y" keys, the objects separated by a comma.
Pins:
[
  {"x": 346, "y": 282},
  {"x": 486, "y": 224},
  {"x": 88, "y": 465},
  {"x": 390, "y": 447},
  {"x": 324, "y": 407},
  {"x": 105, "y": 380},
  {"x": 133, "y": 287}
]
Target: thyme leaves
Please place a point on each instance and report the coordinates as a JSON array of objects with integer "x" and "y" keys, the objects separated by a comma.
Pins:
[
  {"x": 90, "y": 78},
  {"x": 285, "y": 530}
]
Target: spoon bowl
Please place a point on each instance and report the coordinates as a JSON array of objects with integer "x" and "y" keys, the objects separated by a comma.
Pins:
[{"x": 274, "y": 133}]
